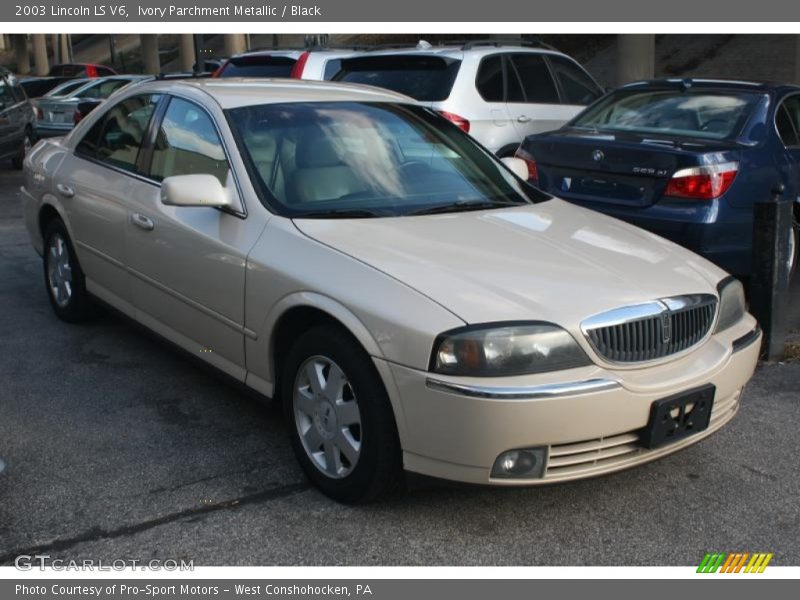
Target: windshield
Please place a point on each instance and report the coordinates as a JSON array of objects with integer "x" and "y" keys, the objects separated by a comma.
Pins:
[
  {"x": 323, "y": 159},
  {"x": 424, "y": 78},
  {"x": 700, "y": 114}
]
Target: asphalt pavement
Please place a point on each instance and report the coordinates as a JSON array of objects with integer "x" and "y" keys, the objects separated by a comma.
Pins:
[{"x": 118, "y": 446}]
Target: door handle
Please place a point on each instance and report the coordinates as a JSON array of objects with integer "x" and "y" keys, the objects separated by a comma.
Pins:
[
  {"x": 65, "y": 190},
  {"x": 143, "y": 222},
  {"x": 524, "y": 119}
]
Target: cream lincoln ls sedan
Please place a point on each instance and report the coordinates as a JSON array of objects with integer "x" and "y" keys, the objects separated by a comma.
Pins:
[{"x": 410, "y": 300}]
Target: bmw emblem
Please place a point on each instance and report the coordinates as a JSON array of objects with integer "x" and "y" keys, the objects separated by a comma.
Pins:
[{"x": 598, "y": 155}]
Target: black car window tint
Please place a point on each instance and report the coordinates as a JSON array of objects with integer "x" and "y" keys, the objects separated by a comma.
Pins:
[
  {"x": 537, "y": 83},
  {"x": 576, "y": 85},
  {"x": 786, "y": 129},
  {"x": 489, "y": 81}
]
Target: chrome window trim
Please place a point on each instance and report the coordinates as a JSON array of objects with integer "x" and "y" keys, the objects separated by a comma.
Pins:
[{"x": 547, "y": 390}]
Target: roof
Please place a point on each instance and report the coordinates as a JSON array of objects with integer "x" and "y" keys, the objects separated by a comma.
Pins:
[
  {"x": 458, "y": 50},
  {"x": 233, "y": 92},
  {"x": 710, "y": 83}
]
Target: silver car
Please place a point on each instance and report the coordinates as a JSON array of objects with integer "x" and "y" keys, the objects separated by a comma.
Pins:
[
  {"x": 410, "y": 300},
  {"x": 56, "y": 114}
]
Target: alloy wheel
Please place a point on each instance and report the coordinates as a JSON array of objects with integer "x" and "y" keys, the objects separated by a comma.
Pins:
[
  {"x": 327, "y": 417},
  {"x": 59, "y": 270}
]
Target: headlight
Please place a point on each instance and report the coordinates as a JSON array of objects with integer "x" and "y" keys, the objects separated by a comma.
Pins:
[
  {"x": 498, "y": 350},
  {"x": 731, "y": 303}
]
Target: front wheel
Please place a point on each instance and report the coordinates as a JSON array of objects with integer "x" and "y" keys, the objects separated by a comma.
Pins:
[
  {"x": 340, "y": 420},
  {"x": 66, "y": 286}
]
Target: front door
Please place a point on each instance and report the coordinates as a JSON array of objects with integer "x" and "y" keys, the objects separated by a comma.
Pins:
[{"x": 188, "y": 263}]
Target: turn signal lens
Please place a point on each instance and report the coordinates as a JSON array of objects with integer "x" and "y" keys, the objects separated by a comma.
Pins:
[{"x": 702, "y": 183}]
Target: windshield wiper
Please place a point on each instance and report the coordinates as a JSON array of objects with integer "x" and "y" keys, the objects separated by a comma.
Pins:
[
  {"x": 339, "y": 213},
  {"x": 464, "y": 206}
]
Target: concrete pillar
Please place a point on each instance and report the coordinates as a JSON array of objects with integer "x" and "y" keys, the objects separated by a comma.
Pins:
[
  {"x": 235, "y": 43},
  {"x": 186, "y": 51},
  {"x": 3, "y": 42},
  {"x": 149, "y": 49},
  {"x": 41, "y": 65},
  {"x": 23, "y": 54},
  {"x": 66, "y": 47},
  {"x": 56, "y": 46},
  {"x": 636, "y": 57}
]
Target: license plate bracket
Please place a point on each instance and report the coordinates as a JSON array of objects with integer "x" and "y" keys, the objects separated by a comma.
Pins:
[{"x": 677, "y": 417}]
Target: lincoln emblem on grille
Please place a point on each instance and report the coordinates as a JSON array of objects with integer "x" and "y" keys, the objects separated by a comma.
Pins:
[{"x": 666, "y": 327}]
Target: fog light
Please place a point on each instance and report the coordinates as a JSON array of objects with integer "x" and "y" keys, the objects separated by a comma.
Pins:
[{"x": 526, "y": 463}]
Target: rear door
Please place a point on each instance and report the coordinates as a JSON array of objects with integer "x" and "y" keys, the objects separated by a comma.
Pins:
[
  {"x": 533, "y": 101},
  {"x": 492, "y": 124},
  {"x": 95, "y": 184}
]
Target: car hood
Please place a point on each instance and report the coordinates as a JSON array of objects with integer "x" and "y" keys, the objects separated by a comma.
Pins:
[{"x": 552, "y": 261}]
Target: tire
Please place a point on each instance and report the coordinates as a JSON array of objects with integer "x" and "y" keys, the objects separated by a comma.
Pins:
[
  {"x": 27, "y": 144},
  {"x": 63, "y": 277},
  {"x": 367, "y": 460}
]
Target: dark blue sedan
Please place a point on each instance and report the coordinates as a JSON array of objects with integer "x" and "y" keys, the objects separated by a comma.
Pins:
[{"x": 685, "y": 159}]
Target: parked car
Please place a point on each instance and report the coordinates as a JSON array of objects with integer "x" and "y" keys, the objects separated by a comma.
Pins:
[
  {"x": 685, "y": 159},
  {"x": 247, "y": 222},
  {"x": 67, "y": 87},
  {"x": 497, "y": 91},
  {"x": 16, "y": 119},
  {"x": 81, "y": 70},
  {"x": 56, "y": 115},
  {"x": 36, "y": 87},
  {"x": 319, "y": 64}
]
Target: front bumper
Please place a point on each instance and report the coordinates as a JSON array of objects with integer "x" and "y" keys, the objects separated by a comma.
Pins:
[{"x": 589, "y": 419}]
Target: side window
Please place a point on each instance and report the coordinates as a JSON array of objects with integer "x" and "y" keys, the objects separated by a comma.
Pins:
[
  {"x": 537, "y": 83},
  {"x": 489, "y": 81},
  {"x": 117, "y": 137},
  {"x": 188, "y": 143},
  {"x": 788, "y": 121},
  {"x": 576, "y": 85},
  {"x": 332, "y": 67}
]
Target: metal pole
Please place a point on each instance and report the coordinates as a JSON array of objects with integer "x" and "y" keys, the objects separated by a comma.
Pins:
[{"x": 769, "y": 282}]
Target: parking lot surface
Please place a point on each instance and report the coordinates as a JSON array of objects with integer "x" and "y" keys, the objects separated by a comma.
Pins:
[{"x": 118, "y": 446}]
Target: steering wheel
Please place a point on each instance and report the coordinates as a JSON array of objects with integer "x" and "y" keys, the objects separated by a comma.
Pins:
[{"x": 704, "y": 126}]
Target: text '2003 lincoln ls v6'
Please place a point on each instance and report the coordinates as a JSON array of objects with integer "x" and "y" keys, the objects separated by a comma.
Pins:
[{"x": 408, "y": 297}]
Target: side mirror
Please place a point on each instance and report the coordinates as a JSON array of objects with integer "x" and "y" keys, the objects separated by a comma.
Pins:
[
  {"x": 194, "y": 190},
  {"x": 517, "y": 166}
]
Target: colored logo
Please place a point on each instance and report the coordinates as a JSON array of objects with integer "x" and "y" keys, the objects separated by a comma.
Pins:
[
  {"x": 598, "y": 155},
  {"x": 734, "y": 562}
]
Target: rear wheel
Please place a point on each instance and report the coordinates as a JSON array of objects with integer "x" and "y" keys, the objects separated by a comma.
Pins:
[
  {"x": 66, "y": 285},
  {"x": 340, "y": 420}
]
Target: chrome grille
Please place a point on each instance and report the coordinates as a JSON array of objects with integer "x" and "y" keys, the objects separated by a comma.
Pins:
[{"x": 653, "y": 330}]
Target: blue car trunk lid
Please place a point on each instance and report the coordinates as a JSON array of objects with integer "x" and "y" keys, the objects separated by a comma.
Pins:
[{"x": 592, "y": 167}]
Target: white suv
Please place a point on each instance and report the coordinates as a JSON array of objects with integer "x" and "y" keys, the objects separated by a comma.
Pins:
[{"x": 499, "y": 92}]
